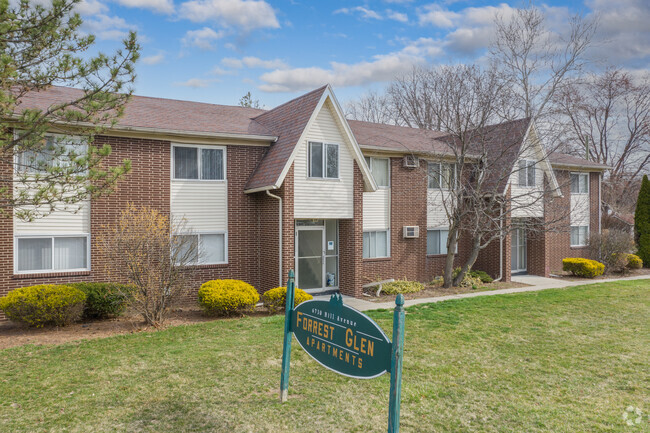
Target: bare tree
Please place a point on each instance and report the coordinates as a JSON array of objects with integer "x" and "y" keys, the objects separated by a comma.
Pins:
[
  {"x": 609, "y": 115},
  {"x": 140, "y": 248},
  {"x": 372, "y": 107}
]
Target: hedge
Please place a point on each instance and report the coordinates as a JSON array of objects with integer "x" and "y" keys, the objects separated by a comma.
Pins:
[
  {"x": 227, "y": 297},
  {"x": 583, "y": 267},
  {"x": 42, "y": 305},
  {"x": 276, "y": 299}
]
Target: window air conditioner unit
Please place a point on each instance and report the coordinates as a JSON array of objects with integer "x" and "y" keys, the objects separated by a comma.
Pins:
[
  {"x": 411, "y": 161},
  {"x": 411, "y": 231}
]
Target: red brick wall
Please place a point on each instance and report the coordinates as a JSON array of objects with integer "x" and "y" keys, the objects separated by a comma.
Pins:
[{"x": 351, "y": 243}]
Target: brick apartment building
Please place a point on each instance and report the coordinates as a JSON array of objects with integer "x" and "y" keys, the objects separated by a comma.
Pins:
[{"x": 300, "y": 187}]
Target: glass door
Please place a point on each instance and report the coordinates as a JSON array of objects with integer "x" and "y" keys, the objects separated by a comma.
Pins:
[
  {"x": 317, "y": 254},
  {"x": 518, "y": 252}
]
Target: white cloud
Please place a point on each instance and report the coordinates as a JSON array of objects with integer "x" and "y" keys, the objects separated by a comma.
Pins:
[
  {"x": 433, "y": 14},
  {"x": 380, "y": 68},
  {"x": 153, "y": 60},
  {"x": 196, "y": 83},
  {"x": 202, "y": 38},
  {"x": 107, "y": 27},
  {"x": 244, "y": 14},
  {"x": 158, "y": 6},
  {"x": 397, "y": 16},
  {"x": 220, "y": 71},
  {"x": 90, "y": 7},
  {"x": 253, "y": 63},
  {"x": 365, "y": 13}
]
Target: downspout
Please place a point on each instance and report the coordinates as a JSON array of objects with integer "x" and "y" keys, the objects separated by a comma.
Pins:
[
  {"x": 600, "y": 203},
  {"x": 279, "y": 235},
  {"x": 500, "y": 243}
]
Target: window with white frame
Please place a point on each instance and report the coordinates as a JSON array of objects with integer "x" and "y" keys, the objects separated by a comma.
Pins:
[
  {"x": 376, "y": 244},
  {"x": 437, "y": 241},
  {"x": 323, "y": 160},
  {"x": 526, "y": 173},
  {"x": 579, "y": 236},
  {"x": 579, "y": 183},
  {"x": 57, "y": 151},
  {"x": 52, "y": 253},
  {"x": 199, "y": 162},
  {"x": 206, "y": 248},
  {"x": 380, "y": 169},
  {"x": 442, "y": 175}
]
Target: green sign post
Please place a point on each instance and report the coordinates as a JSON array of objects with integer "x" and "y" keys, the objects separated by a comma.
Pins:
[{"x": 345, "y": 341}]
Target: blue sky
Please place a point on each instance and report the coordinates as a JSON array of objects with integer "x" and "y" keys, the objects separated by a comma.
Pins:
[{"x": 217, "y": 50}]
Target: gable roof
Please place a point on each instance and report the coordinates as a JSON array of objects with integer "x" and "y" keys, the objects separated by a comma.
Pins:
[
  {"x": 397, "y": 138},
  {"x": 287, "y": 122}
]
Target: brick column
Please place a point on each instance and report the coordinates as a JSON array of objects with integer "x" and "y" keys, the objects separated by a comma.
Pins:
[{"x": 351, "y": 243}]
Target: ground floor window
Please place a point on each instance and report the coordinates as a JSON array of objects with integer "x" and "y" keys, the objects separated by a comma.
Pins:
[
  {"x": 52, "y": 253},
  {"x": 209, "y": 248},
  {"x": 376, "y": 244},
  {"x": 437, "y": 241},
  {"x": 579, "y": 236}
]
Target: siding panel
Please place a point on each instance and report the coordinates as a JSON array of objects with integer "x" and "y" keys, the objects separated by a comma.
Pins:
[
  {"x": 436, "y": 213},
  {"x": 58, "y": 222},
  {"x": 580, "y": 209},
  {"x": 204, "y": 205},
  {"x": 376, "y": 210},
  {"x": 324, "y": 198}
]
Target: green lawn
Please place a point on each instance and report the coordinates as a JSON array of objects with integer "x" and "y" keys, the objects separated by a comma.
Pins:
[{"x": 554, "y": 361}]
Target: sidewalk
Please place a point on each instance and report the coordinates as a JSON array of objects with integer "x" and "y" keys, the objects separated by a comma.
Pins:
[{"x": 534, "y": 282}]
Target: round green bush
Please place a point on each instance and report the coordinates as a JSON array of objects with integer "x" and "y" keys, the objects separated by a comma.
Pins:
[
  {"x": 104, "y": 300},
  {"x": 585, "y": 268},
  {"x": 634, "y": 261},
  {"x": 227, "y": 297},
  {"x": 42, "y": 305},
  {"x": 276, "y": 299}
]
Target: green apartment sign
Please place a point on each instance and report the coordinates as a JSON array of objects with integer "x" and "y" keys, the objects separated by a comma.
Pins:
[
  {"x": 345, "y": 341},
  {"x": 341, "y": 338}
]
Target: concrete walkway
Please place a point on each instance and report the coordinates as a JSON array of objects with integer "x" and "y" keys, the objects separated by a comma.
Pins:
[{"x": 534, "y": 284}]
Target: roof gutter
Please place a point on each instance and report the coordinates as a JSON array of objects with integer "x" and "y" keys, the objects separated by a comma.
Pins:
[
  {"x": 261, "y": 188},
  {"x": 584, "y": 167}
]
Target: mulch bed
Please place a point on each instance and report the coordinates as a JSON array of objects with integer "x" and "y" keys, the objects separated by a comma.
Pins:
[{"x": 14, "y": 334}]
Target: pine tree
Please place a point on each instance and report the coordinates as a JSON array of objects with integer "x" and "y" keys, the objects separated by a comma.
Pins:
[{"x": 642, "y": 222}]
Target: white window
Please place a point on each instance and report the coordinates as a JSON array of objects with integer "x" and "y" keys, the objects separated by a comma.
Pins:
[
  {"x": 579, "y": 236},
  {"x": 442, "y": 175},
  {"x": 52, "y": 253},
  {"x": 437, "y": 241},
  {"x": 526, "y": 173},
  {"x": 323, "y": 160},
  {"x": 579, "y": 183},
  {"x": 376, "y": 244},
  {"x": 211, "y": 247},
  {"x": 58, "y": 151},
  {"x": 380, "y": 169},
  {"x": 199, "y": 163}
]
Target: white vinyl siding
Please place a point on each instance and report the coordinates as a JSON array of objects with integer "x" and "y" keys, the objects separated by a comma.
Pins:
[
  {"x": 579, "y": 236},
  {"x": 376, "y": 244},
  {"x": 526, "y": 184},
  {"x": 438, "y": 203},
  {"x": 64, "y": 253},
  {"x": 323, "y": 198},
  {"x": 75, "y": 219},
  {"x": 376, "y": 210}
]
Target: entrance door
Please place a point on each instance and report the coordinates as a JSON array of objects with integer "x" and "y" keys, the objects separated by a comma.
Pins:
[
  {"x": 518, "y": 252},
  {"x": 317, "y": 254}
]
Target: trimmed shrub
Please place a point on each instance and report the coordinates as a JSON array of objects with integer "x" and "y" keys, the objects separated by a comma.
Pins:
[
  {"x": 482, "y": 275},
  {"x": 275, "y": 299},
  {"x": 227, "y": 297},
  {"x": 46, "y": 304},
  {"x": 634, "y": 261},
  {"x": 471, "y": 279},
  {"x": 401, "y": 286},
  {"x": 583, "y": 267},
  {"x": 104, "y": 300}
]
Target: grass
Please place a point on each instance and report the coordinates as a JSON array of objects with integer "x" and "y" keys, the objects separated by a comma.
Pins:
[{"x": 553, "y": 361}]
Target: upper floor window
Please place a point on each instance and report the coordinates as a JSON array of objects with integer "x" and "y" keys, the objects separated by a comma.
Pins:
[
  {"x": 323, "y": 160},
  {"x": 526, "y": 173},
  {"x": 57, "y": 151},
  {"x": 442, "y": 175},
  {"x": 380, "y": 169},
  {"x": 199, "y": 163},
  {"x": 579, "y": 183}
]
